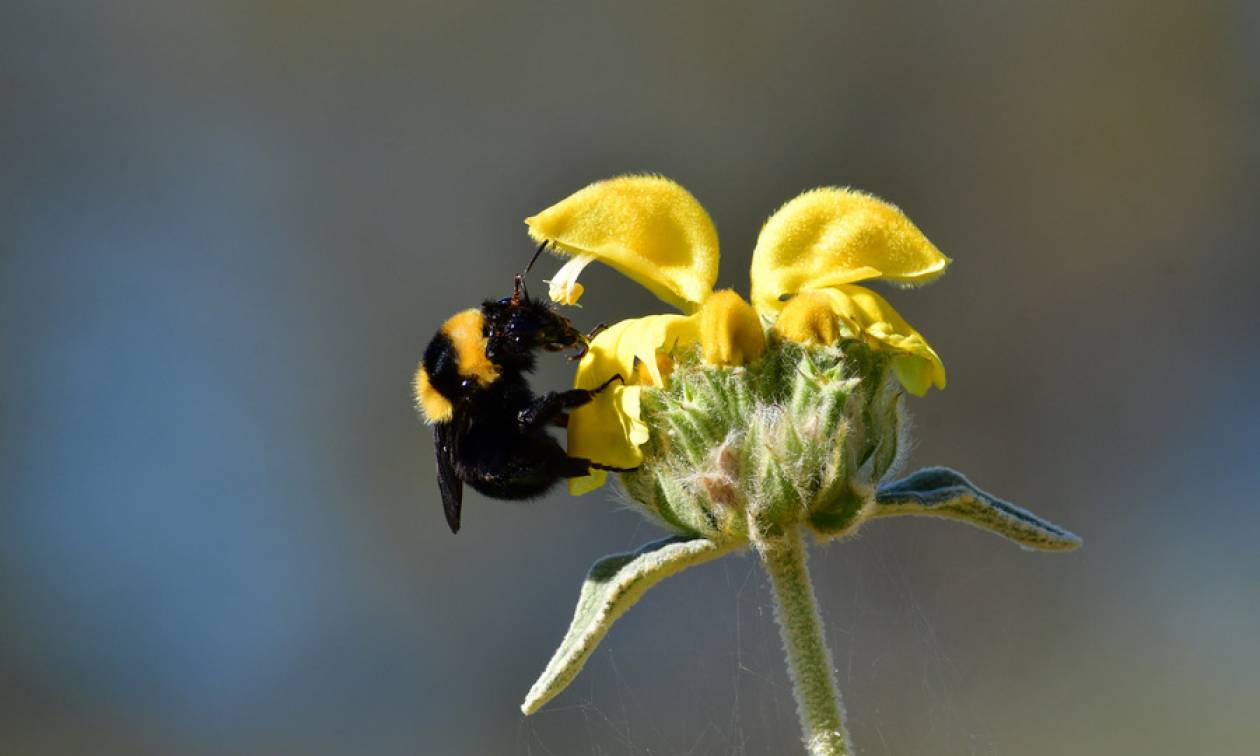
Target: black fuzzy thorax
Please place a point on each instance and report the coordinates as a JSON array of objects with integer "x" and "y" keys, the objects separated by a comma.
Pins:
[{"x": 494, "y": 453}]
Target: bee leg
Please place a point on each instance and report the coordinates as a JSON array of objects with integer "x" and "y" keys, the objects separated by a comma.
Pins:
[
  {"x": 608, "y": 383},
  {"x": 584, "y": 345},
  {"x": 580, "y": 467},
  {"x": 610, "y": 468},
  {"x": 547, "y": 407},
  {"x": 561, "y": 420}
]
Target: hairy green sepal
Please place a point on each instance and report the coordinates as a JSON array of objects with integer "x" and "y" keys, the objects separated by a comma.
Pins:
[{"x": 801, "y": 437}]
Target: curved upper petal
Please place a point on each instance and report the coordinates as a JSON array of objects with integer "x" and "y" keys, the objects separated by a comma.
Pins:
[
  {"x": 646, "y": 227},
  {"x": 830, "y": 237},
  {"x": 916, "y": 364},
  {"x": 609, "y": 430}
]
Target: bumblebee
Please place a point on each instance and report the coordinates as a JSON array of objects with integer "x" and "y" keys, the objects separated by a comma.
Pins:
[{"x": 489, "y": 428}]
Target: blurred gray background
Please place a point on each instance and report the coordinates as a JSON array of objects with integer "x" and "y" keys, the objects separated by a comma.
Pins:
[{"x": 228, "y": 230}]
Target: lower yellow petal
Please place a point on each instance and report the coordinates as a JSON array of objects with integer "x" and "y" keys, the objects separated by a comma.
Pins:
[
  {"x": 917, "y": 373},
  {"x": 609, "y": 430},
  {"x": 869, "y": 316},
  {"x": 632, "y": 345}
]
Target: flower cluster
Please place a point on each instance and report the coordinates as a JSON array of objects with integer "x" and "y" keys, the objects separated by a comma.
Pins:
[
  {"x": 808, "y": 260},
  {"x": 750, "y": 423}
]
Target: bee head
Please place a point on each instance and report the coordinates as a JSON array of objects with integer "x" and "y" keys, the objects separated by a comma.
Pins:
[{"x": 517, "y": 327}]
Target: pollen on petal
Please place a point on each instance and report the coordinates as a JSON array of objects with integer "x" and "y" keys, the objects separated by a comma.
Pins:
[{"x": 730, "y": 330}]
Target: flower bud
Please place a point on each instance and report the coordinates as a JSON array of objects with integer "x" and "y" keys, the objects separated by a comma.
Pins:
[{"x": 799, "y": 437}]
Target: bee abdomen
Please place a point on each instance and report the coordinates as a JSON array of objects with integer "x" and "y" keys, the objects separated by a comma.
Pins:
[
  {"x": 454, "y": 366},
  {"x": 435, "y": 407}
]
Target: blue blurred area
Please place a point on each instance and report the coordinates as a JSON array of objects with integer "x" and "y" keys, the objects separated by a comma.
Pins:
[{"x": 229, "y": 230}]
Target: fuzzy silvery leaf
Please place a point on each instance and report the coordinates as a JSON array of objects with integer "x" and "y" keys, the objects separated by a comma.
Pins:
[
  {"x": 612, "y": 586},
  {"x": 942, "y": 492}
]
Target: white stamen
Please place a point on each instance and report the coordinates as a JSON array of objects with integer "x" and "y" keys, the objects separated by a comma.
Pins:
[{"x": 564, "y": 288}]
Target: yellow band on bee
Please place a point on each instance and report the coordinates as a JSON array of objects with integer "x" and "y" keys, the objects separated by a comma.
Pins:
[
  {"x": 466, "y": 332},
  {"x": 436, "y": 408}
]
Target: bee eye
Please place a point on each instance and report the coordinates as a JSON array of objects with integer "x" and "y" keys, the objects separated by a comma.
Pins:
[{"x": 467, "y": 383}]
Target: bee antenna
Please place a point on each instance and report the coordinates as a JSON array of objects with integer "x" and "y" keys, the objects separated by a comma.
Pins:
[
  {"x": 518, "y": 288},
  {"x": 534, "y": 259}
]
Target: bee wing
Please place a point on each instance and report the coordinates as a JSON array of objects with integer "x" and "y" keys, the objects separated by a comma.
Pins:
[{"x": 449, "y": 484}]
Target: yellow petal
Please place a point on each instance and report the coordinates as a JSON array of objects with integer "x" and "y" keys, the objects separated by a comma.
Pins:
[
  {"x": 730, "y": 330},
  {"x": 632, "y": 345},
  {"x": 664, "y": 366},
  {"x": 918, "y": 373},
  {"x": 828, "y": 237},
  {"x": 646, "y": 227},
  {"x": 916, "y": 364},
  {"x": 609, "y": 430}
]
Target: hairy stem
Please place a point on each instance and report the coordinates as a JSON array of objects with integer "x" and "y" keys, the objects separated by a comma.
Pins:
[{"x": 809, "y": 661}]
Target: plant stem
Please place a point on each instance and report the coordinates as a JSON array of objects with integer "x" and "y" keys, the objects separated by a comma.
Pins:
[{"x": 809, "y": 661}]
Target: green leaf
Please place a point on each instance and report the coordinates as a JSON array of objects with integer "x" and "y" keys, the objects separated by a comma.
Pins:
[
  {"x": 612, "y": 586},
  {"x": 942, "y": 492}
]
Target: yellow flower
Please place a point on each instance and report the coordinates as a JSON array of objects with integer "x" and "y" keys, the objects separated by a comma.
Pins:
[{"x": 808, "y": 257}]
